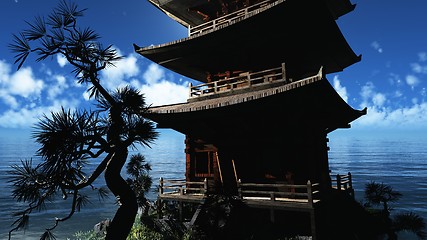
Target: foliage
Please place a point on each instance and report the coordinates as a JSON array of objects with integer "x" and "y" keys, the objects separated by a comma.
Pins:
[
  {"x": 140, "y": 180},
  {"x": 88, "y": 235},
  {"x": 71, "y": 139},
  {"x": 379, "y": 193}
]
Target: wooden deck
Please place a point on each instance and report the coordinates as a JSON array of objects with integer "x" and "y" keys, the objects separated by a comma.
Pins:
[
  {"x": 344, "y": 183},
  {"x": 180, "y": 190},
  {"x": 280, "y": 196},
  {"x": 277, "y": 196}
]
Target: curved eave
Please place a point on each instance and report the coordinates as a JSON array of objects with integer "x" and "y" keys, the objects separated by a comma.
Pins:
[
  {"x": 178, "y": 10},
  {"x": 303, "y": 37},
  {"x": 340, "y": 7},
  {"x": 313, "y": 105}
]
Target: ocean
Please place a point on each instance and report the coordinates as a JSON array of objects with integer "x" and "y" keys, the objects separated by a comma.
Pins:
[{"x": 399, "y": 160}]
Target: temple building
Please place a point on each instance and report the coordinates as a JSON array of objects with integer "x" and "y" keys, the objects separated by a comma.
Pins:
[{"x": 264, "y": 107}]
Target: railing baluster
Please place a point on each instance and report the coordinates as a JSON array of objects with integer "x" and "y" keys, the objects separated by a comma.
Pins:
[
  {"x": 161, "y": 186},
  {"x": 338, "y": 182},
  {"x": 309, "y": 193}
]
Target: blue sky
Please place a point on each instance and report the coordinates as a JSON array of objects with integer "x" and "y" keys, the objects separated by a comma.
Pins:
[{"x": 390, "y": 80}]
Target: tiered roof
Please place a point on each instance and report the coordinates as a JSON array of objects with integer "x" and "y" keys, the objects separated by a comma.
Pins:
[{"x": 301, "y": 33}]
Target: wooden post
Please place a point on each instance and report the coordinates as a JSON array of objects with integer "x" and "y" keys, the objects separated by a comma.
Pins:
[
  {"x": 239, "y": 188},
  {"x": 180, "y": 211},
  {"x": 309, "y": 193},
  {"x": 249, "y": 79},
  {"x": 350, "y": 179},
  {"x": 161, "y": 186},
  {"x": 272, "y": 217},
  {"x": 219, "y": 168},
  {"x": 190, "y": 86},
  {"x": 312, "y": 215},
  {"x": 338, "y": 182},
  {"x": 284, "y": 72},
  {"x": 159, "y": 200},
  {"x": 205, "y": 186},
  {"x": 181, "y": 190},
  {"x": 313, "y": 225},
  {"x": 234, "y": 169}
]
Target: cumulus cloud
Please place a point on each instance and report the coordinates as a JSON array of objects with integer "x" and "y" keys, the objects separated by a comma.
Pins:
[
  {"x": 418, "y": 68},
  {"x": 342, "y": 91},
  {"x": 158, "y": 90},
  {"x": 116, "y": 76},
  {"x": 21, "y": 83},
  {"x": 28, "y": 116},
  {"x": 164, "y": 92},
  {"x": 412, "y": 81},
  {"x": 375, "y": 45},
  {"x": 422, "y": 56},
  {"x": 62, "y": 61},
  {"x": 412, "y": 117},
  {"x": 57, "y": 87},
  {"x": 153, "y": 74},
  {"x": 381, "y": 115}
]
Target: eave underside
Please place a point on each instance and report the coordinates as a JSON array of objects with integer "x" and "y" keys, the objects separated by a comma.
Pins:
[
  {"x": 178, "y": 10},
  {"x": 303, "y": 37}
]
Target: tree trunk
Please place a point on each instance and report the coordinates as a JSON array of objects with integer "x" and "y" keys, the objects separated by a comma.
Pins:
[{"x": 124, "y": 218}]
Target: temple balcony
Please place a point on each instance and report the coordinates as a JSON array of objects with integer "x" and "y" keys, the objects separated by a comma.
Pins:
[
  {"x": 234, "y": 16},
  {"x": 280, "y": 195},
  {"x": 275, "y": 196},
  {"x": 247, "y": 82}
]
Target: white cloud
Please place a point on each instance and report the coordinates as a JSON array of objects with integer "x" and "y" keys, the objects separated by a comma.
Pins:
[
  {"x": 367, "y": 91},
  {"x": 115, "y": 76},
  {"x": 21, "y": 83},
  {"x": 26, "y": 117},
  {"x": 62, "y": 61},
  {"x": 375, "y": 45},
  {"x": 422, "y": 56},
  {"x": 342, "y": 91},
  {"x": 418, "y": 68},
  {"x": 24, "y": 84},
  {"x": 158, "y": 90},
  {"x": 413, "y": 117},
  {"x": 8, "y": 99},
  {"x": 380, "y": 115},
  {"x": 412, "y": 81},
  {"x": 371, "y": 97},
  {"x": 378, "y": 99},
  {"x": 57, "y": 87},
  {"x": 164, "y": 92},
  {"x": 153, "y": 74}
]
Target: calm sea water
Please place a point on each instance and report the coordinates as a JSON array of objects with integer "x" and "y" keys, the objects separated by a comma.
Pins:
[{"x": 397, "y": 160}]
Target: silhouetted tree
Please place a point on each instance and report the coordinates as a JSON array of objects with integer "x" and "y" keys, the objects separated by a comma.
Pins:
[
  {"x": 140, "y": 180},
  {"x": 379, "y": 193},
  {"x": 70, "y": 139}
]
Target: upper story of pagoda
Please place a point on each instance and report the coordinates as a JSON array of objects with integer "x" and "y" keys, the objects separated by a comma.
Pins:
[{"x": 251, "y": 36}]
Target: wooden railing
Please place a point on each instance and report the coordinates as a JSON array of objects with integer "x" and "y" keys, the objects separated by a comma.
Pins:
[
  {"x": 231, "y": 18},
  {"x": 244, "y": 80},
  {"x": 181, "y": 187},
  {"x": 344, "y": 183},
  {"x": 277, "y": 194}
]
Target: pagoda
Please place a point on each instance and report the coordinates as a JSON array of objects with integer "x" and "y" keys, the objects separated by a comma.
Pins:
[{"x": 264, "y": 107}]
